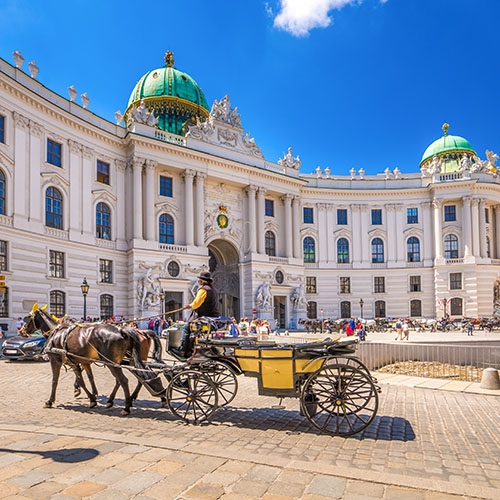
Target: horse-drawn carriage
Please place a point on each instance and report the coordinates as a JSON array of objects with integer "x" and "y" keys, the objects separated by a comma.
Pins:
[{"x": 337, "y": 394}]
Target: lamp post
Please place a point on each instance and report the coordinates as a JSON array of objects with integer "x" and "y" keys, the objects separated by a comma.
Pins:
[
  {"x": 162, "y": 302},
  {"x": 85, "y": 290},
  {"x": 361, "y": 304},
  {"x": 444, "y": 307}
]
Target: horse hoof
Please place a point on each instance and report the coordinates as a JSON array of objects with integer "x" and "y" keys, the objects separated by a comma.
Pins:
[
  {"x": 93, "y": 404},
  {"x": 109, "y": 404},
  {"x": 124, "y": 413},
  {"x": 48, "y": 404},
  {"x": 77, "y": 393}
]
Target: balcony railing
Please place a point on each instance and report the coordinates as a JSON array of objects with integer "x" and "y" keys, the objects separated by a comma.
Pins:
[
  {"x": 56, "y": 233},
  {"x": 172, "y": 248}
]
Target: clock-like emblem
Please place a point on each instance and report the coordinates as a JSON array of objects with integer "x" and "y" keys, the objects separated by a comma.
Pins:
[{"x": 222, "y": 221}]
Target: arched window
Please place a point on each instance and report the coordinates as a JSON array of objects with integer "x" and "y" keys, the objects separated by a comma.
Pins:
[
  {"x": 57, "y": 303},
  {"x": 450, "y": 247},
  {"x": 106, "y": 303},
  {"x": 270, "y": 243},
  {"x": 2, "y": 193},
  {"x": 103, "y": 221},
  {"x": 166, "y": 229},
  {"x": 415, "y": 308},
  {"x": 345, "y": 309},
  {"x": 342, "y": 251},
  {"x": 377, "y": 251},
  {"x": 413, "y": 249},
  {"x": 380, "y": 309},
  {"x": 53, "y": 208},
  {"x": 312, "y": 310},
  {"x": 309, "y": 250},
  {"x": 456, "y": 307}
]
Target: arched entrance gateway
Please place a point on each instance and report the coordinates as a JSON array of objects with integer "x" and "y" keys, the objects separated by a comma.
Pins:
[{"x": 224, "y": 265}]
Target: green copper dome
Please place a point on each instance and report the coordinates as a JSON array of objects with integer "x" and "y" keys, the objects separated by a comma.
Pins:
[
  {"x": 174, "y": 97},
  {"x": 446, "y": 145}
]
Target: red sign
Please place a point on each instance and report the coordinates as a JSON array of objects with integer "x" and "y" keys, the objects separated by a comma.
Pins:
[{"x": 254, "y": 311}]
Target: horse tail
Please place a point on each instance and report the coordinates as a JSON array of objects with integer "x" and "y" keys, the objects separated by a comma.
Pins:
[
  {"x": 135, "y": 346},
  {"x": 156, "y": 348}
]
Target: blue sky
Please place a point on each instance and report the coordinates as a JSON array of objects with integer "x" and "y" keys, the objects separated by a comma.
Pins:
[{"x": 345, "y": 83}]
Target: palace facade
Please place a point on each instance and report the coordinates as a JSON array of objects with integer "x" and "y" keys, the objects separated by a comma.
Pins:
[{"x": 141, "y": 206}]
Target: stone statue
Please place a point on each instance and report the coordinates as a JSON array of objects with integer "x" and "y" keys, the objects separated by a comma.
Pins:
[
  {"x": 298, "y": 297},
  {"x": 465, "y": 163},
  {"x": 148, "y": 290},
  {"x": 263, "y": 297},
  {"x": 435, "y": 166},
  {"x": 140, "y": 114},
  {"x": 288, "y": 160}
]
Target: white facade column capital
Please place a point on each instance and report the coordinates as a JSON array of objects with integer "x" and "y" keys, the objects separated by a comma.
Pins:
[
  {"x": 151, "y": 165},
  {"x": 36, "y": 129},
  {"x": 20, "y": 121}
]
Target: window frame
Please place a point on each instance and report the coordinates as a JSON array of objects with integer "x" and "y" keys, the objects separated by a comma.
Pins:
[
  {"x": 103, "y": 221},
  {"x": 54, "y": 153},
  {"x": 106, "y": 306},
  {"x": 377, "y": 251},
  {"x": 343, "y": 256},
  {"x": 58, "y": 303},
  {"x": 412, "y": 215},
  {"x": 413, "y": 249},
  {"x": 456, "y": 280},
  {"x": 54, "y": 216},
  {"x": 270, "y": 243},
  {"x": 2, "y": 129},
  {"x": 166, "y": 186},
  {"x": 450, "y": 213},
  {"x": 105, "y": 271},
  {"x": 103, "y": 171},
  {"x": 4, "y": 255},
  {"x": 342, "y": 217},
  {"x": 450, "y": 246},
  {"x": 344, "y": 285},
  {"x": 166, "y": 237},
  {"x": 308, "y": 215},
  {"x": 311, "y": 284},
  {"x": 379, "y": 284},
  {"x": 3, "y": 204},
  {"x": 309, "y": 250},
  {"x": 415, "y": 283},
  {"x": 57, "y": 264},
  {"x": 376, "y": 217},
  {"x": 268, "y": 207}
]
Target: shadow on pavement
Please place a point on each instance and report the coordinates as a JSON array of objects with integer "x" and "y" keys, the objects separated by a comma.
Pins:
[{"x": 69, "y": 455}]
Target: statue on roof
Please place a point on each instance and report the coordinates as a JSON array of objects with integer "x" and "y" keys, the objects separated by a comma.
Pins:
[
  {"x": 289, "y": 160},
  {"x": 222, "y": 112},
  {"x": 141, "y": 114}
]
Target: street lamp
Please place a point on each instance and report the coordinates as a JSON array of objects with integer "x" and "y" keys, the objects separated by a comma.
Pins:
[
  {"x": 85, "y": 290},
  {"x": 361, "y": 304},
  {"x": 444, "y": 307},
  {"x": 162, "y": 302}
]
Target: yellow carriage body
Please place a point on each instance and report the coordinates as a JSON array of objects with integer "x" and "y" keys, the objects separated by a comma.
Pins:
[{"x": 278, "y": 369}]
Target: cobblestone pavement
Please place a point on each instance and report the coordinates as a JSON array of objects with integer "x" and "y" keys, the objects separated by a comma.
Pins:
[{"x": 424, "y": 444}]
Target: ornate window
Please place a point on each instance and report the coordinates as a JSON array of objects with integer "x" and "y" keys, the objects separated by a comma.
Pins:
[
  {"x": 105, "y": 271},
  {"x": 166, "y": 229},
  {"x": 102, "y": 172},
  {"x": 345, "y": 309},
  {"x": 106, "y": 306},
  {"x": 57, "y": 302},
  {"x": 166, "y": 186},
  {"x": 54, "y": 153},
  {"x": 270, "y": 242},
  {"x": 103, "y": 221},
  {"x": 342, "y": 251},
  {"x": 377, "y": 251},
  {"x": 309, "y": 246},
  {"x": 413, "y": 249},
  {"x": 415, "y": 284},
  {"x": 415, "y": 308},
  {"x": 2, "y": 193},
  {"x": 344, "y": 284},
  {"x": 53, "y": 208},
  {"x": 56, "y": 264},
  {"x": 456, "y": 307},
  {"x": 380, "y": 309},
  {"x": 173, "y": 269},
  {"x": 450, "y": 246},
  {"x": 455, "y": 281}
]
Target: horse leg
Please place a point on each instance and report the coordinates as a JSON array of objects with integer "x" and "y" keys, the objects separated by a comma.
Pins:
[
  {"x": 111, "y": 398},
  {"x": 79, "y": 379},
  {"x": 123, "y": 381},
  {"x": 55, "y": 364},
  {"x": 90, "y": 375}
]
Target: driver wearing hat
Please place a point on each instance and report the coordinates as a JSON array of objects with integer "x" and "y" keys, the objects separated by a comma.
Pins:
[{"x": 205, "y": 303}]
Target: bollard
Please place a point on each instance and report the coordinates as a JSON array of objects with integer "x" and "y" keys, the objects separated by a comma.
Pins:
[{"x": 490, "y": 379}]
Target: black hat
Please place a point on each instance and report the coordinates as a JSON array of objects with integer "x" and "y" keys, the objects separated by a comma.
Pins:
[{"x": 205, "y": 276}]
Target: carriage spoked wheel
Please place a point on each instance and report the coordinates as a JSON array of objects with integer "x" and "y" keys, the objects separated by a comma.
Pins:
[
  {"x": 192, "y": 396},
  {"x": 224, "y": 379},
  {"x": 351, "y": 361},
  {"x": 339, "y": 399}
]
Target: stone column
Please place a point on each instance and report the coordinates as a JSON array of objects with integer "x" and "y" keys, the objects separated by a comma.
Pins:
[
  {"x": 20, "y": 140},
  {"x": 287, "y": 201},
  {"x": 89, "y": 165},
  {"x": 200, "y": 209},
  {"x": 363, "y": 237},
  {"x": 261, "y": 241},
  {"x": 398, "y": 235},
  {"x": 297, "y": 240},
  {"x": 150, "y": 199},
  {"x": 466, "y": 226},
  {"x": 482, "y": 229},
  {"x": 188, "y": 176},
  {"x": 33, "y": 178},
  {"x": 438, "y": 228},
  {"x": 322, "y": 233},
  {"x": 121, "y": 196},
  {"x": 252, "y": 225},
  {"x": 137, "y": 164},
  {"x": 427, "y": 254},
  {"x": 356, "y": 234},
  {"x": 475, "y": 229},
  {"x": 497, "y": 231},
  {"x": 391, "y": 230},
  {"x": 75, "y": 187}
]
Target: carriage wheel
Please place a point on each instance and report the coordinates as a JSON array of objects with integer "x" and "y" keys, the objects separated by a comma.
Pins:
[
  {"x": 224, "y": 379},
  {"x": 192, "y": 396},
  {"x": 351, "y": 361},
  {"x": 339, "y": 399}
]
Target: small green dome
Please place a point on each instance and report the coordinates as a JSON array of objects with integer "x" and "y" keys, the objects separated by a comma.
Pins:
[
  {"x": 446, "y": 145},
  {"x": 173, "y": 96}
]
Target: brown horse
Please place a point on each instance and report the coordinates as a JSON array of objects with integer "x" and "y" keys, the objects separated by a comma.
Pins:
[{"x": 79, "y": 345}]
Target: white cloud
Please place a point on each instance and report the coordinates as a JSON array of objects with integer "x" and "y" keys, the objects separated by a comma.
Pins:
[{"x": 298, "y": 17}]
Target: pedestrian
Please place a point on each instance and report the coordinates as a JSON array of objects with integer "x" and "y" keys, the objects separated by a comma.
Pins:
[
  {"x": 20, "y": 323},
  {"x": 470, "y": 327},
  {"x": 399, "y": 330},
  {"x": 277, "y": 326},
  {"x": 244, "y": 326},
  {"x": 406, "y": 330}
]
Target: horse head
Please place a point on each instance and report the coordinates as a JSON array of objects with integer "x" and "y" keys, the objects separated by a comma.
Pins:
[{"x": 37, "y": 320}]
